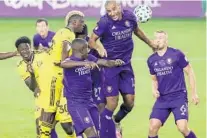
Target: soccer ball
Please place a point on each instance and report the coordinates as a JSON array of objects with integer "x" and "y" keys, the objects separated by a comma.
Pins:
[{"x": 143, "y": 13}]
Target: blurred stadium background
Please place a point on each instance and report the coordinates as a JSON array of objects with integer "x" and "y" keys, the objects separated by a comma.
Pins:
[{"x": 183, "y": 20}]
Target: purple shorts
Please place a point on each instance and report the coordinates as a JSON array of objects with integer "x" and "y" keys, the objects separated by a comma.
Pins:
[
  {"x": 119, "y": 79},
  {"x": 84, "y": 117},
  {"x": 162, "y": 109},
  {"x": 98, "y": 79}
]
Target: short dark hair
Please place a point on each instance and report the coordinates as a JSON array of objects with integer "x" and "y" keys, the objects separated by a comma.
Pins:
[
  {"x": 42, "y": 20},
  {"x": 23, "y": 39}
]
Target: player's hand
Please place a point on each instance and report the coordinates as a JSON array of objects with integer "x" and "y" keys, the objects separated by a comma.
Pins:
[
  {"x": 153, "y": 45},
  {"x": 156, "y": 94},
  {"x": 195, "y": 98},
  {"x": 91, "y": 65},
  {"x": 30, "y": 68},
  {"x": 101, "y": 51},
  {"x": 119, "y": 62},
  {"x": 16, "y": 53}
]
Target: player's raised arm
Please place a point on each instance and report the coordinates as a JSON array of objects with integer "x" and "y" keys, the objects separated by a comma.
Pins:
[
  {"x": 110, "y": 63},
  {"x": 99, "y": 48},
  {"x": 7, "y": 55}
]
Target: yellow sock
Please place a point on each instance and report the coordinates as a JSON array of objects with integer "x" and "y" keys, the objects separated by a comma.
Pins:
[
  {"x": 45, "y": 129},
  {"x": 71, "y": 136}
]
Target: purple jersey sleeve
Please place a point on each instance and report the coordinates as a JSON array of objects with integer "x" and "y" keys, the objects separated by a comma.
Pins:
[
  {"x": 35, "y": 41},
  {"x": 101, "y": 27},
  {"x": 182, "y": 60},
  {"x": 151, "y": 70},
  {"x": 133, "y": 19},
  {"x": 92, "y": 58}
]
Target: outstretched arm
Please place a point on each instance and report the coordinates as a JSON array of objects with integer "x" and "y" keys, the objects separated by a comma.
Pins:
[
  {"x": 110, "y": 63},
  {"x": 71, "y": 64},
  {"x": 7, "y": 55},
  {"x": 99, "y": 48},
  {"x": 140, "y": 34}
]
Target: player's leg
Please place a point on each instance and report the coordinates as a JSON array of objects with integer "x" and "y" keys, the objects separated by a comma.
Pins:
[
  {"x": 95, "y": 117},
  {"x": 82, "y": 120},
  {"x": 127, "y": 89},
  {"x": 46, "y": 122},
  {"x": 64, "y": 117},
  {"x": 180, "y": 112},
  {"x": 157, "y": 119},
  {"x": 111, "y": 92}
]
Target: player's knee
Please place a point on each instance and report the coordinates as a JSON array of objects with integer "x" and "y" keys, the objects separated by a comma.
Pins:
[
  {"x": 101, "y": 107},
  {"x": 154, "y": 126},
  {"x": 112, "y": 103},
  {"x": 128, "y": 100},
  {"x": 48, "y": 117},
  {"x": 91, "y": 132},
  {"x": 68, "y": 128},
  {"x": 183, "y": 128}
]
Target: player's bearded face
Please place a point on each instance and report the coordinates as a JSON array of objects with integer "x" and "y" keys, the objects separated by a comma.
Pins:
[
  {"x": 25, "y": 51},
  {"x": 42, "y": 29},
  {"x": 114, "y": 11}
]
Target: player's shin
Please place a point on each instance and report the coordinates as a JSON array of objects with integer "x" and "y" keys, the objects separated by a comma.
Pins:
[
  {"x": 69, "y": 129},
  {"x": 123, "y": 111},
  {"x": 45, "y": 129}
]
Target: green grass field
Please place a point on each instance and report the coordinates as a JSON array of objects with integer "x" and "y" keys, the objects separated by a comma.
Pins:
[{"x": 17, "y": 104}]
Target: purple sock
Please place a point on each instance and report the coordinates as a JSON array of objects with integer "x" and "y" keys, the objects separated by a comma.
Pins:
[
  {"x": 191, "y": 135},
  {"x": 153, "y": 137},
  {"x": 53, "y": 134},
  {"x": 108, "y": 129}
]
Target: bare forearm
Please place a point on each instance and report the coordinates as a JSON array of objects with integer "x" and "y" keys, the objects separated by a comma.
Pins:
[
  {"x": 140, "y": 34},
  {"x": 192, "y": 81},
  {"x": 31, "y": 83},
  {"x": 71, "y": 64},
  {"x": 154, "y": 85},
  {"x": 7, "y": 55},
  {"x": 106, "y": 63}
]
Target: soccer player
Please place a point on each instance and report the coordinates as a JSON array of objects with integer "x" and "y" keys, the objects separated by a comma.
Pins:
[
  {"x": 78, "y": 87},
  {"x": 7, "y": 55},
  {"x": 43, "y": 38},
  {"x": 36, "y": 70},
  {"x": 96, "y": 74},
  {"x": 115, "y": 31},
  {"x": 167, "y": 67}
]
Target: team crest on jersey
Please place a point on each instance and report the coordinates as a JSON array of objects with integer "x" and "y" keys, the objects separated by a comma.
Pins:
[
  {"x": 127, "y": 23},
  {"x": 109, "y": 89},
  {"x": 169, "y": 61},
  {"x": 87, "y": 120}
]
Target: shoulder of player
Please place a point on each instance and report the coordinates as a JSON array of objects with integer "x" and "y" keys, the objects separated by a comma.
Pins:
[
  {"x": 175, "y": 51},
  {"x": 51, "y": 33},
  {"x": 36, "y": 36},
  {"x": 129, "y": 14},
  {"x": 152, "y": 56}
]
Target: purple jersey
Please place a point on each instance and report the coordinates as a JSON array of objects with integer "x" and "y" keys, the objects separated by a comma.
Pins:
[
  {"x": 78, "y": 83},
  {"x": 169, "y": 72},
  {"x": 116, "y": 36},
  {"x": 45, "y": 42}
]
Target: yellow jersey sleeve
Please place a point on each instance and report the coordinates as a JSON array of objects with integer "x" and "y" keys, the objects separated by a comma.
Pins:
[
  {"x": 62, "y": 35},
  {"x": 22, "y": 69}
]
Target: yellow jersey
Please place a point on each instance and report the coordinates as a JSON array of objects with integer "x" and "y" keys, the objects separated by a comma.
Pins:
[{"x": 42, "y": 66}]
